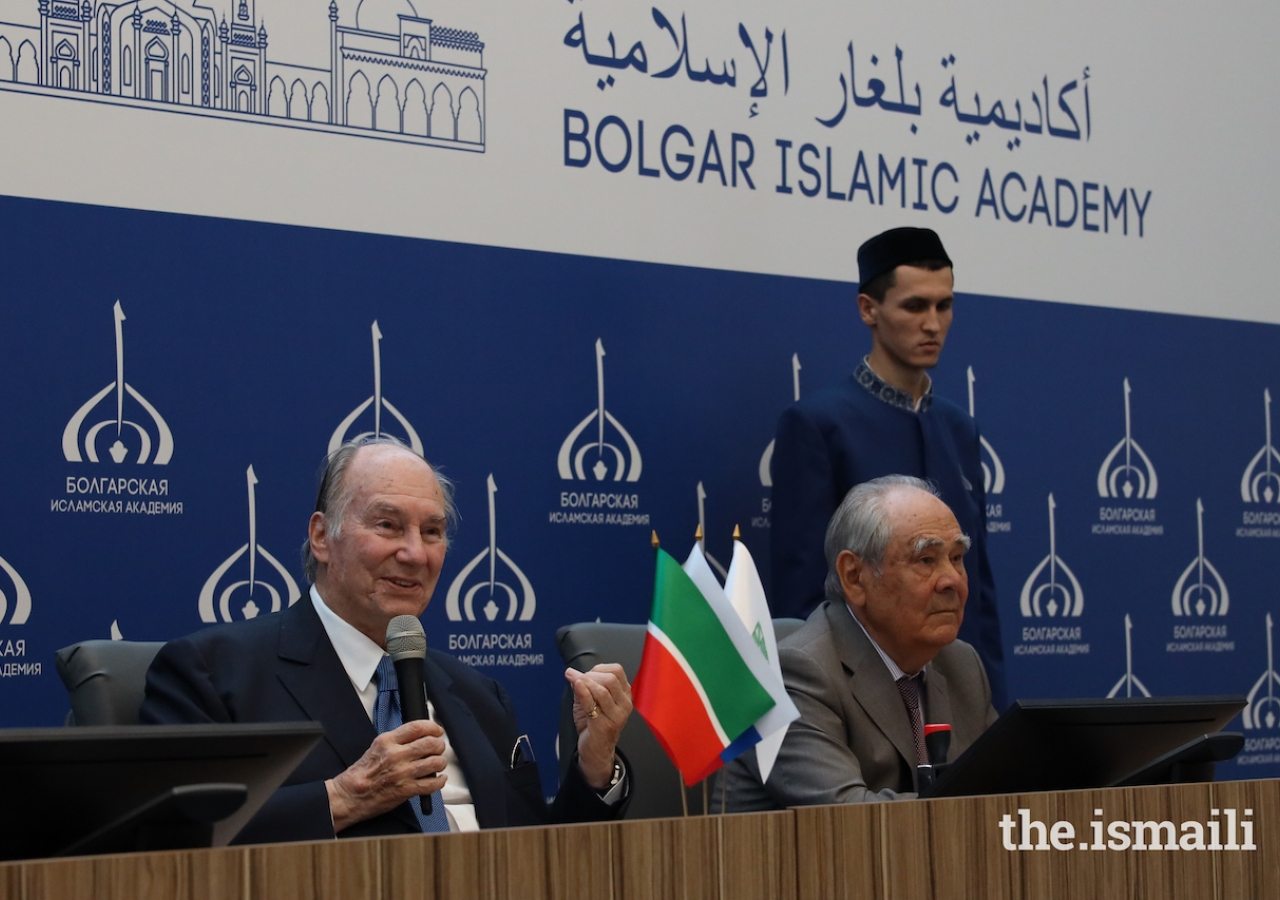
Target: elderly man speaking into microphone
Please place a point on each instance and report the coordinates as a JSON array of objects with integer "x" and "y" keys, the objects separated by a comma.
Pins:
[
  {"x": 375, "y": 546},
  {"x": 878, "y": 659}
]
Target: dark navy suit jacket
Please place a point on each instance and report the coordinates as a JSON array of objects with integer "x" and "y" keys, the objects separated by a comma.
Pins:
[
  {"x": 843, "y": 435},
  {"x": 282, "y": 668}
]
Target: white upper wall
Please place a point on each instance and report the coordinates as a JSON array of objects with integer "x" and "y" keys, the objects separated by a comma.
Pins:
[{"x": 1181, "y": 105}]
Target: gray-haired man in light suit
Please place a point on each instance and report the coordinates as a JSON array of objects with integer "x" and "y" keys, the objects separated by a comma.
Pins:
[{"x": 878, "y": 659}]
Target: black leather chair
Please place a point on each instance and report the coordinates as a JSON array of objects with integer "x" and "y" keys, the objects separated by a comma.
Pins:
[
  {"x": 106, "y": 680},
  {"x": 657, "y": 782}
]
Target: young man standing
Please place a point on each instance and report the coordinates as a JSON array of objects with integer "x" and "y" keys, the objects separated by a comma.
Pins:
[{"x": 882, "y": 420}]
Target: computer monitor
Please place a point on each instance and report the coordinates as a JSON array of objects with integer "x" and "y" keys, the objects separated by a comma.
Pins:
[
  {"x": 1054, "y": 745},
  {"x": 61, "y": 785}
]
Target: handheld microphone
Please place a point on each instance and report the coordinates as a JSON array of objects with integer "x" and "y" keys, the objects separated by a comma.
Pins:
[{"x": 407, "y": 646}]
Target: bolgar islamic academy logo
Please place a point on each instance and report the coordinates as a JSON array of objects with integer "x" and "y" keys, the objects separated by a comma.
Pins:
[
  {"x": 152, "y": 442},
  {"x": 246, "y": 598},
  {"x": 1193, "y": 593},
  {"x": 612, "y": 463},
  {"x": 1260, "y": 708},
  {"x": 1059, "y": 594},
  {"x": 1261, "y": 481},
  {"x": 379, "y": 403},
  {"x": 1127, "y": 471},
  {"x": 516, "y": 603}
]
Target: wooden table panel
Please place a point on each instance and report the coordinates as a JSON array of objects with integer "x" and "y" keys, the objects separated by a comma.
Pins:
[
  {"x": 283, "y": 872},
  {"x": 519, "y": 860},
  {"x": 1093, "y": 874},
  {"x": 408, "y": 867},
  {"x": 11, "y": 882},
  {"x": 156, "y": 876},
  {"x": 170, "y": 875},
  {"x": 964, "y": 839},
  {"x": 347, "y": 870},
  {"x": 219, "y": 874},
  {"x": 71, "y": 879},
  {"x": 758, "y": 856},
  {"x": 926, "y": 850},
  {"x": 1177, "y": 874},
  {"x": 1251, "y": 873},
  {"x": 838, "y": 853},
  {"x": 667, "y": 859},
  {"x": 580, "y": 862},
  {"x": 945, "y": 849},
  {"x": 1046, "y": 871},
  {"x": 463, "y": 866},
  {"x": 904, "y": 849},
  {"x": 324, "y": 870}
]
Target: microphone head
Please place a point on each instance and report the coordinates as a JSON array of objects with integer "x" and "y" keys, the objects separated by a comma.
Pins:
[
  {"x": 406, "y": 639},
  {"x": 937, "y": 742}
]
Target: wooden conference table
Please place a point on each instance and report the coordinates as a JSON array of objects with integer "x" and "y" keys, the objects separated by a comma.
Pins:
[{"x": 928, "y": 849}]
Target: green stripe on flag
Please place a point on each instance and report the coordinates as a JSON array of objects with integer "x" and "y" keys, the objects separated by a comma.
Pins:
[{"x": 683, "y": 614}]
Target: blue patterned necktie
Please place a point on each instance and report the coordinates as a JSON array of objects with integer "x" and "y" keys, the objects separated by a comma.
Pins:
[{"x": 386, "y": 717}]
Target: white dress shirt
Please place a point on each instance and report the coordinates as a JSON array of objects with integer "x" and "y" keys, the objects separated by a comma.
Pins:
[{"x": 360, "y": 657}]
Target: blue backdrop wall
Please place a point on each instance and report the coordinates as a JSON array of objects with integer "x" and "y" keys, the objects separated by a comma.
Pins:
[{"x": 246, "y": 349}]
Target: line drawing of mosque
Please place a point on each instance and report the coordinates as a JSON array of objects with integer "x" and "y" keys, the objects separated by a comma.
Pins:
[{"x": 394, "y": 75}]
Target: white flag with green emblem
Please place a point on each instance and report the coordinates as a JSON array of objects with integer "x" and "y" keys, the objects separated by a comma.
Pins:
[{"x": 746, "y": 593}]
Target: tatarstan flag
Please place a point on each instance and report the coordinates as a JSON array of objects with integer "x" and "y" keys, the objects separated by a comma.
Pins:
[{"x": 703, "y": 682}]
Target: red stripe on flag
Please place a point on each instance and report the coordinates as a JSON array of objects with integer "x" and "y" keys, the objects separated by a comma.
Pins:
[{"x": 670, "y": 704}]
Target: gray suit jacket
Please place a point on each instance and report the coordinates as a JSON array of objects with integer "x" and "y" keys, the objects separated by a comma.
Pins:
[{"x": 852, "y": 742}]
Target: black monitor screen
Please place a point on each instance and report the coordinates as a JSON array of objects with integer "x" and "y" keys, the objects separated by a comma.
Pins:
[
  {"x": 1055, "y": 745},
  {"x": 60, "y": 784}
]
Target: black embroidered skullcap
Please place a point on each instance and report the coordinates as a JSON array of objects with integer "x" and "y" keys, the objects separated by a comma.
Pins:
[{"x": 896, "y": 247}]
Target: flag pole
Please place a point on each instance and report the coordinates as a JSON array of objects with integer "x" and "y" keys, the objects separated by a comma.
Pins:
[
  {"x": 699, "y": 538},
  {"x": 724, "y": 773},
  {"x": 684, "y": 797}
]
